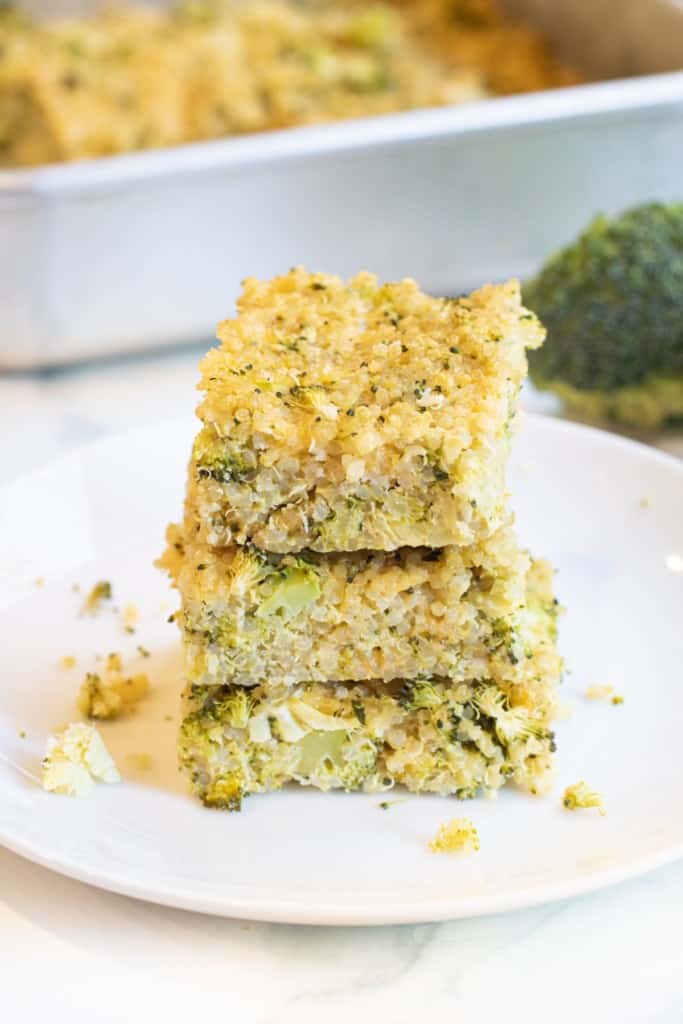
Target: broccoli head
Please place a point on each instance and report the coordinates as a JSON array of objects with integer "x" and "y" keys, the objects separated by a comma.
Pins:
[{"x": 613, "y": 306}]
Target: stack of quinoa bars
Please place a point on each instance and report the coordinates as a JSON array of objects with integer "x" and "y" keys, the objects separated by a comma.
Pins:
[{"x": 356, "y": 609}]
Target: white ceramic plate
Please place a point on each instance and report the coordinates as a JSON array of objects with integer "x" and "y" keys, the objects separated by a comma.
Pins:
[{"x": 608, "y": 512}]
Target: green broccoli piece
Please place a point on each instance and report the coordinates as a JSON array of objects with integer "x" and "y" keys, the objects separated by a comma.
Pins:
[
  {"x": 224, "y": 793},
  {"x": 221, "y": 783},
  {"x": 298, "y": 587},
  {"x": 231, "y": 705},
  {"x": 330, "y": 754},
  {"x": 218, "y": 459},
  {"x": 419, "y": 695},
  {"x": 613, "y": 306}
]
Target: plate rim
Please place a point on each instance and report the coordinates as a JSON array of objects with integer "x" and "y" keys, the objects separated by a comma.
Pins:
[{"x": 335, "y": 913}]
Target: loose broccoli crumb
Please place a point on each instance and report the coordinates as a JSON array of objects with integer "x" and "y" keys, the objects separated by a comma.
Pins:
[
  {"x": 580, "y": 795},
  {"x": 75, "y": 759},
  {"x": 22, "y": 734},
  {"x": 40, "y": 581},
  {"x": 613, "y": 306},
  {"x": 100, "y": 593},
  {"x": 456, "y": 836},
  {"x": 617, "y": 699},
  {"x": 67, "y": 662},
  {"x": 112, "y": 693}
]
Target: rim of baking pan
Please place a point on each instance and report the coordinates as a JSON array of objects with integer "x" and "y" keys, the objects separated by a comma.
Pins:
[{"x": 619, "y": 97}]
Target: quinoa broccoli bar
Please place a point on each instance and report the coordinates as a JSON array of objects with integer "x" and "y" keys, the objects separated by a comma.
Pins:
[
  {"x": 252, "y": 617},
  {"x": 428, "y": 734},
  {"x": 356, "y": 609},
  {"x": 359, "y": 416}
]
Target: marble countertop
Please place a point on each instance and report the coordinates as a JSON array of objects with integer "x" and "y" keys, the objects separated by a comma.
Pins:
[{"x": 616, "y": 955}]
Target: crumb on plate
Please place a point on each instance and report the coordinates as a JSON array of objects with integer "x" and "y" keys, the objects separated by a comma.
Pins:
[
  {"x": 580, "y": 795},
  {"x": 100, "y": 592},
  {"x": 113, "y": 692},
  {"x": 75, "y": 759},
  {"x": 67, "y": 661},
  {"x": 456, "y": 836}
]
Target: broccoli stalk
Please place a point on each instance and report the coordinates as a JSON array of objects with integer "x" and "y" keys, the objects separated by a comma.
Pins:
[{"x": 613, "y": 306}]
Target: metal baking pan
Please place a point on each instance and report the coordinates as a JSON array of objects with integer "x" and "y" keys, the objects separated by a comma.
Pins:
[{"x": 144, "y": 250}]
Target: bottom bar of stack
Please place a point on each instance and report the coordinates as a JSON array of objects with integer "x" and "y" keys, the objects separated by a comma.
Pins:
[{"x": 429, "y": 734}]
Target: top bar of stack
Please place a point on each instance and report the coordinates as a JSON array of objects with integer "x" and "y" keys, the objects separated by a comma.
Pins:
[{"x": 358, "y": 417}]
